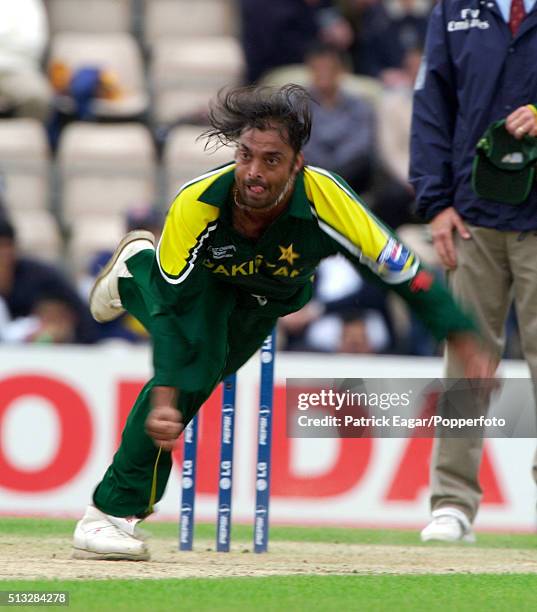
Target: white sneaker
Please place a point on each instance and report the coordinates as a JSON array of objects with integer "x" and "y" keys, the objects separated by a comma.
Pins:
[
  {"x": 104, "y": 300},
  {"x": 448, "y": 525},
  {"x": 101, "y": 536}
]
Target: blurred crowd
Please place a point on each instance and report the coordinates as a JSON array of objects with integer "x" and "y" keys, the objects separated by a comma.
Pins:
[{"x": 100, "y": 104}]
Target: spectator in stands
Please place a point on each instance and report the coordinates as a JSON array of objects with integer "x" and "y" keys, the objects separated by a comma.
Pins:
[
  {"x": 344, "y": 126},
  {"x": 383, "y": 32},
  {"x": 24, "y": 89},
  {"x": 354, "y": 334},
  {"x": 394, "y": 197},
  {"x": 53, "y": 320},
  {"x": 32, "y": 288},
  {"x": 279, "y": 32}
]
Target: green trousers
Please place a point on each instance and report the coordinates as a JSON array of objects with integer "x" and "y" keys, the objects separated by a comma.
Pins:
[{"x": 222, "y": 330}]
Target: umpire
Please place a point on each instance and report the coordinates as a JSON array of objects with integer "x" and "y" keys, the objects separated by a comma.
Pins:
[{"x": 472, "y": 164}]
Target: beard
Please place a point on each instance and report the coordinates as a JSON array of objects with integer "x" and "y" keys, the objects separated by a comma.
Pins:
[{"x": 269, "y": 205}]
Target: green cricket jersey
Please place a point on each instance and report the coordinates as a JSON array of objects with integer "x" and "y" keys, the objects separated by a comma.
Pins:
[
  {"x": 209, "y": 297},
  {"x": 324, "y": 217},
  {"x": 273, "y": 275}
]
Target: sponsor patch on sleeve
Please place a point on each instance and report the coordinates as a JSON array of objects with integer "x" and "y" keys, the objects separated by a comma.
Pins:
[{"x": 394, "y": 256}]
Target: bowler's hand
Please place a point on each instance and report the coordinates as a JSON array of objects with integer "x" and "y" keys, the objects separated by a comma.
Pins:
[
  {"x": 164, "y": 423},
  {"x": 442, "y": 228},
  {"x": 522, "y": 121}
]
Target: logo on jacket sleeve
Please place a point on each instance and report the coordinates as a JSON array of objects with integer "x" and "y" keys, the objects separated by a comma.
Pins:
[{"x": 394, "y": 256}]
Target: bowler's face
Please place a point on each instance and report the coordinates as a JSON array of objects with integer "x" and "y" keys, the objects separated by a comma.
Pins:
[{"x": 266, "y": 167}]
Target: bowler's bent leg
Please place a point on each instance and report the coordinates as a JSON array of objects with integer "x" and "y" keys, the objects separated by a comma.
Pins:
[{"x": 139, "y": 472}]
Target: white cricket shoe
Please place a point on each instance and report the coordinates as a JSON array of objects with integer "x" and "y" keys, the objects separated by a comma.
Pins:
[
  {"x": 101, "y": 536},
  {"x": 448, "y": 525},
  {"x": 104, "y": 300}
]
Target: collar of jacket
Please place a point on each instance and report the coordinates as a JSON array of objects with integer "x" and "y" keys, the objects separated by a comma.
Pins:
[
  {"x": 492, "y": 6},
  {"x": 219, "y": 192}
]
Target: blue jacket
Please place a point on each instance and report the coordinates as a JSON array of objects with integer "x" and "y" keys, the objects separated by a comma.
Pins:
[{"x": 473, "y": 73}]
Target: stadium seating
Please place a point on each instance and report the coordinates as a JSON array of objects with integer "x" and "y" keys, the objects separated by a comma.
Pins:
[
  {"x": 24, "y": 164},
  {"x": 116, "y": 53},
  {"x": 25, "y": 178},
  {"x": 186, "y": 73},
  {"x": 185, "y": 157},
  {"x": 179, "y": 18},
  {"x": 97, "y": 16},
  {"x": 91, "y": 235},
  {"x": 38, "y": 234},
  {"x": 105, "y": 170}
]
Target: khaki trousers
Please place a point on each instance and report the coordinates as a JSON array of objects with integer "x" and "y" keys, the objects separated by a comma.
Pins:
[{"x": 493, "y": 268}]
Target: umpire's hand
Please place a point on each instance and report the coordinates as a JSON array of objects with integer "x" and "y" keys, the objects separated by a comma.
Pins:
[
  {"x": 164, "y": 423},
  {"x": 522, "y": 121},
  {"x": 442, "y": 228}
]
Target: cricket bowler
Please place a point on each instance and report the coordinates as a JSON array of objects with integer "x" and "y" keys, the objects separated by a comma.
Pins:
[{"x": 239, "y": 249}]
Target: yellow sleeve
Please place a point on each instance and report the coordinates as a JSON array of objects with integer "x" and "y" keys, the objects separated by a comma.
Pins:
[
  {"x": 357, "y": 233},
  {"x": 188, "y": 225}
]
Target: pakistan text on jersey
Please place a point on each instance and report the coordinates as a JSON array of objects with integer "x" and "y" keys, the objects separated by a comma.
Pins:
[{"x": 251, "y": 267}]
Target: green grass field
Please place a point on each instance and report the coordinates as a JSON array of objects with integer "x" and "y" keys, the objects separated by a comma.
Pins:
[{"x": 450, "y": 591}]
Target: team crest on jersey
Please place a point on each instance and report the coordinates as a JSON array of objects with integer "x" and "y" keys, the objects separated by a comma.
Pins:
[
  {"x": 394, "y": 256},
  {"x": 287, "y": 254}
]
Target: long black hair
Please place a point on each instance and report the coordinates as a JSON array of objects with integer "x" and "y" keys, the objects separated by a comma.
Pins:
[{"x": 287, "y": 109}]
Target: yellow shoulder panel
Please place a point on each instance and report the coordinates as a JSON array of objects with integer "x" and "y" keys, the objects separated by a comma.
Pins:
[
  {"x": 346, "y": 220},
  {"x": 188, "y": 225}
]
